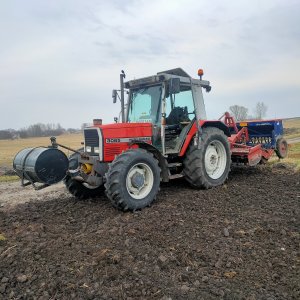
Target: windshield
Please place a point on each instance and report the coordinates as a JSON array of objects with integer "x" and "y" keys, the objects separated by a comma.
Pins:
[{"x": 144, "y": 105}]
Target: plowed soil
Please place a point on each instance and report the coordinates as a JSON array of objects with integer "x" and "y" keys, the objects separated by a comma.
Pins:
[{"x": 237, "y": 241}]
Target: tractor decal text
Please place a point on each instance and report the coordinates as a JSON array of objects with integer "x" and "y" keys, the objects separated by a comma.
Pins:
[{"x": 127, "y": 140}]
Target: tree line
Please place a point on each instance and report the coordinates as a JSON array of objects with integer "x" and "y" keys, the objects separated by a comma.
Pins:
[
  {"x": 242, "y": 113},
  {"x": 36, "y": 130}
]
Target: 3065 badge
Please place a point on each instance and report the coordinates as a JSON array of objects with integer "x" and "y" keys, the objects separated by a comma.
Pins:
[{"x": 110, "y": 141}]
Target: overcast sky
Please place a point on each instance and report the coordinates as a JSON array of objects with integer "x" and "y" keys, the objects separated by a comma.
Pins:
[{"x": 59, "y": 60}]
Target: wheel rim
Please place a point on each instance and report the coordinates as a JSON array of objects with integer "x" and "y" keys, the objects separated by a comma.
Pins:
[
  {"x": 215, "y": 159},
  {"x": 139, "y": 181}
]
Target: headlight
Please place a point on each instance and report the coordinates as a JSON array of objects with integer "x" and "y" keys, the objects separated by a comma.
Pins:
[
  {"x": 96, "y": 149},
  {"x": 88, "y": 149}
]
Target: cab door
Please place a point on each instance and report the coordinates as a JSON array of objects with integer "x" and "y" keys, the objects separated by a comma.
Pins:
[{"x": 180, "y": 113}]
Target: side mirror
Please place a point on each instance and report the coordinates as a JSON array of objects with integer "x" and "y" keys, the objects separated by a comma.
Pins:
[
  {"x": 114, "y": 95},
  {"x": 174, "y": 86},
  {"x": 208, "y": 88}
]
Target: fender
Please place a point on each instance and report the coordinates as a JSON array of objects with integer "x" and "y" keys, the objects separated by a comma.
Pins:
[
  {"x": 163, "y": 164},
  {"x": 203, "y": 124}
]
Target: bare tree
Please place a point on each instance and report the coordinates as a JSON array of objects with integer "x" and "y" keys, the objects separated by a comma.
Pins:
[
  {"x": 239, "y": 112},
  {"x": 260, "y": 110}
]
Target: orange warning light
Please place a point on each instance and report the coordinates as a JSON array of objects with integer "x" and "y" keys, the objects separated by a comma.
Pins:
[{"x": 200, "y": 72}]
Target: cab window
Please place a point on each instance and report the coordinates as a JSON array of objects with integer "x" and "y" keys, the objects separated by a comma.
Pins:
[
  {"x": 180, "y": 106},
  {"x": 144, "y": 105}
]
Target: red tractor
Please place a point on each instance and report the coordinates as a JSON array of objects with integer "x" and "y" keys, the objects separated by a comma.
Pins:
[{"x": 163, "y": 134}]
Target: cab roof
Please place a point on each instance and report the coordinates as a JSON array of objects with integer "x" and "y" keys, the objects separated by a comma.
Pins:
[{"x": 176, "y": 72}]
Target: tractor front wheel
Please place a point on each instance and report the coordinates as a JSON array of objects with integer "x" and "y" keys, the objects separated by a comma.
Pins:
[
  {"x": 208, "y": 166},
  {"x": 81, "y": 190},
  {"x": 132, "y": 181}
]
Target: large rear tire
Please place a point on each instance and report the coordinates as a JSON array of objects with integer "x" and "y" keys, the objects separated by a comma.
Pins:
[
  {"x": 79, "y": 189},
  {"x": 208, "y": 166},
  {"x": 132, "y": 181}
]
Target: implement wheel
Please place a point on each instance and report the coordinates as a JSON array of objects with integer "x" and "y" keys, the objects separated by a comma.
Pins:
[
  {"x": 281, "y": 148},
  {"x": 78, "y": 189},
  {"x": 132, "y": 181},
  {"x": 208, "y": 166}
]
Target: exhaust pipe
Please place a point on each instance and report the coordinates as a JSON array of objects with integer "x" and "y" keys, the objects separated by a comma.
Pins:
[{"x": 122, "y": 76}]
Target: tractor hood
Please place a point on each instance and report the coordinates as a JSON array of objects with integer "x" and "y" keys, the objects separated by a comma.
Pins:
[
  {"x": 119, "y": 133},
  {"x": 112, "y": 139}
]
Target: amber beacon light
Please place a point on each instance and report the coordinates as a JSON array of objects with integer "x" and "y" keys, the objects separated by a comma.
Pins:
[{"x": 200, "y": 73}]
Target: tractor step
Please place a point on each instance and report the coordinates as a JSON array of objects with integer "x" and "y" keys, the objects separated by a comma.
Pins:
[
  {"x": 174, "y": 165},
  {"x": 175, "y": 176}
]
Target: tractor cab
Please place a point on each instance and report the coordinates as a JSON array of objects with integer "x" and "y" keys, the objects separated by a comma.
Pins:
[{"x": 171, "y": 101}]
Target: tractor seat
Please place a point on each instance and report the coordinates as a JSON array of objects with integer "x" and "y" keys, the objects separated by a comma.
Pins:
[{"x": 177, "y": 115}]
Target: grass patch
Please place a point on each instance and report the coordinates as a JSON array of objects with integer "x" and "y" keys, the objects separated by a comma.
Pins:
[
  {"x": 295, "y": 134},
  {"x": 293, "y": 156},
  {"x": 291, "y": 128},
  {"x": 6, "y": 178},
  {"x": 2, "y": 237},
  {"x": 294, "y": 152},
  {"x": 292, "y": 123},
  {"x": 9, "y": 148}
]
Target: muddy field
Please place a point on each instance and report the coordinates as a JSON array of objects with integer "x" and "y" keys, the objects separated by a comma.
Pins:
[{"x": 238, "y": 241}]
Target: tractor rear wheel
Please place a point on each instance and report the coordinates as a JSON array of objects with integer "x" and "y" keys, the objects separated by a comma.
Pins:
[
  {"x": 281, "y": 148},
  {"x": 208, "y": 166},
  {"x": 132, "y": 181},
  {"x": 78, "y": 189}
]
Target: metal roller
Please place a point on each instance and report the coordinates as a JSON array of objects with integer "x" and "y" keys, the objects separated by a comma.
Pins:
[{"x": 43, "y": 165}]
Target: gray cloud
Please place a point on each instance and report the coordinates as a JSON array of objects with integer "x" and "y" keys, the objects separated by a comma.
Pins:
[{"x": 60, "y": 60}]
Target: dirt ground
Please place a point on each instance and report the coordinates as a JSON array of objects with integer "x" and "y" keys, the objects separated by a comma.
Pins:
[{"x": 237, "y": 241}]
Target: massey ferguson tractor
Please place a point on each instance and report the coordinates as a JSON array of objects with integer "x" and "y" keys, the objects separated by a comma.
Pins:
[{"x": 163, "y": 134}]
